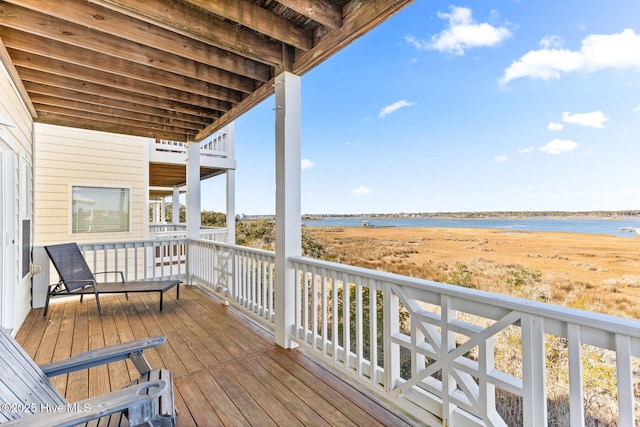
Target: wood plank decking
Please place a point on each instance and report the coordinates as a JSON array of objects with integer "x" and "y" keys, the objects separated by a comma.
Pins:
[{"x": 227, "y": 369}]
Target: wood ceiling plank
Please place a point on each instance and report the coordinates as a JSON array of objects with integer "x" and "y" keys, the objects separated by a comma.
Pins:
[
  {"x": 36, "y": 89},
  {"x": 359, "y": 17},
  {"x": 224, "y": 35},
  {"x": 29, "y": 61},
  {"x": 43, "y": 52},
  {"x": 125, "y": 51},
  {"x": 39, "y": 77},
  {"x": 110, "y": 117},
  {"x": 41, "y": 100},
  {"x": 91, "y": 124},
  {"x": 192, "y": 60},
  {"x": 321, "y": 11}
]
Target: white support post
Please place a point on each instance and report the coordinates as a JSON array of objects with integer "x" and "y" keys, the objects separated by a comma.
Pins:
[
  {"x": 193, "y": 190},
  {"x": 533, "y": 371},
  {"x": 175, "y": 206},
  {"x": 288, "y": 209},
  {"x": 231, "y": 187}
]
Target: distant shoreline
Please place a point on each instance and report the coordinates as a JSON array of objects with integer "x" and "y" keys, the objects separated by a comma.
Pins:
[
  {"x": 621, "y": 214},
  {"x": 627, "y": 214}
]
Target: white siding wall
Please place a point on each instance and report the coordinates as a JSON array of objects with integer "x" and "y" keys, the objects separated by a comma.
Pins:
[
  {"x": 17, "y": 143},
  {"x": 66, "y": 157}
]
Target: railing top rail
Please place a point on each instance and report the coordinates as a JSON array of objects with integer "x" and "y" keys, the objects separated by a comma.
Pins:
[
  {"x": 236, "y": 247},
  {"x": 613, "y": 324},
  {"x": 130, "y": 244}
]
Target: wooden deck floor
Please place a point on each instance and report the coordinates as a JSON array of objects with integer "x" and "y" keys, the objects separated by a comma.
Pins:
[{"x": 227, "y": 370}]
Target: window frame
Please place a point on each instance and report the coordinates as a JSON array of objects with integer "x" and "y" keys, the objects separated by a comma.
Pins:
[{"x": 129, "y": 190}]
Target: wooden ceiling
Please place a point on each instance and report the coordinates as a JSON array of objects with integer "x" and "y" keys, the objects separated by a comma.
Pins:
[{"x": 169, "y": 69}]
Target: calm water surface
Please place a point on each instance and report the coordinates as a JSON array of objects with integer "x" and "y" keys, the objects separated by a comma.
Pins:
[{"x": 589, "y": 226}]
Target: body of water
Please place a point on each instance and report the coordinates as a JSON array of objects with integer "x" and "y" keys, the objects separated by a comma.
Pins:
[{"x": 589, "y": 226}]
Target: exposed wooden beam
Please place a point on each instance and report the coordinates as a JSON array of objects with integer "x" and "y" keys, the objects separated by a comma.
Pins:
[
  {"x": 40, "y": 77},
  {"x": 37, "y": 89},
  {"x": 225, "y": 35},
  {"x": 258, "y": 19},
  {"x": 58, "y": 47},
  {"x": 321, "y": 11},
  {"x": 47, "y": 102},
  {"x": 15, "y": 78},
  {"x": 168, "y": 14},
  {"x": 359, "y": 17},
  {"x": 42, "y": 53},
  {"x": 92, "y": 124},
  {"x": 249, "y": 102},
  {"x": 29, "y": 61}
]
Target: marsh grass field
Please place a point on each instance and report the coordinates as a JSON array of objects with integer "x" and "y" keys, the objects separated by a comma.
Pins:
[{"x": 587, "y": 271}]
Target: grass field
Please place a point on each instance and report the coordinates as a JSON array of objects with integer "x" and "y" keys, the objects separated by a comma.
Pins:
[{"x": 594, "y": 272}]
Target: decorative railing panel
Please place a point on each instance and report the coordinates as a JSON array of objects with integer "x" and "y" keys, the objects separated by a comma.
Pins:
[
  {"x": 242, "y": 275},
  {"x": 456, "y": 356}
]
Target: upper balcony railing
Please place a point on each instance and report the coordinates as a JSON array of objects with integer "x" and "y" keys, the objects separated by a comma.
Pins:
[
  {"x": 449, "y": 355},
  {"x": 179, "y": 231},
  {"x": 215, "y": 151}
]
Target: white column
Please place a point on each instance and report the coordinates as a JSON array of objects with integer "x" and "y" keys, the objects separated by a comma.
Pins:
[
  {"x": 231, "y": 187},
  {"x": 288, "y": 209},
  {"x": 193, "y": 190},
  {"x": 231, "y": 206},
  {"x": 175, "y": 206}
]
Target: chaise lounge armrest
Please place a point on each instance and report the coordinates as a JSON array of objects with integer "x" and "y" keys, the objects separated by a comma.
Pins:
[
  {"x": 131, "y": 350},
  {"x": 139, "y": 400}
]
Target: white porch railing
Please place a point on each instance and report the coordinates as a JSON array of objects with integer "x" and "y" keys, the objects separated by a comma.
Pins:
[
  {"x": 218, "y": 145},
  {"x": 436, "y": 350},
  {"x": 243, "y": 275},
  {"x": 139, "y": 260},
  {"x": 179, "y": 231}
]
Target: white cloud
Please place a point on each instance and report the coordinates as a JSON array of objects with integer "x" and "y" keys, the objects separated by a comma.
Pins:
[
  {"x": 360, "y": 191},
  {"x": 526, "y": 150},
  {"x": 394, "y": 107},
  {"x": 555, "y": 126},
  {"x": 635, "y": 110},
  {"x": 551, "y": 42},
  {"x": 306, "y": 164},
  {"x": 500, "y": 159},
  {"x": 595, "y": 119},
  {"x": 463, "y": 33},
  {"x": 559, "y": 146},
  {"x": 597, "y": 52}
]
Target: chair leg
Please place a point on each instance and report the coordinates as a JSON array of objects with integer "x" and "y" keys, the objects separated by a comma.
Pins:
[
  {"x": 161, "y": 294},
  {"x": 95, "y": 291},
  {"x": 46, "y": 304},
  {"x": 178, "y": 291}
]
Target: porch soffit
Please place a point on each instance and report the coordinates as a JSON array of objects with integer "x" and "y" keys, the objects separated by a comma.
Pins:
[
  {"x": 170, "y": 69},
  {"x": 169, "y": 175}
]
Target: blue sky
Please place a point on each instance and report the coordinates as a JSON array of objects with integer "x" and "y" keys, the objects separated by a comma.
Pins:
[{"x": 474, "y": 106}]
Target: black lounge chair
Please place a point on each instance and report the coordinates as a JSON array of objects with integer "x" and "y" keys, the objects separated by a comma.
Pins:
[
  {"x": 76, "y": 278},
  {"x": 30, "y": 399}
]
